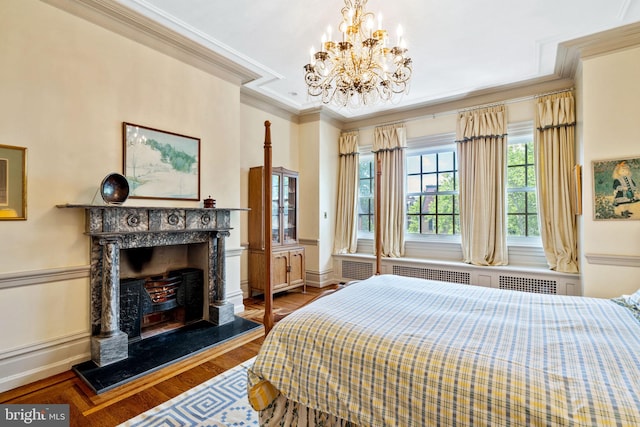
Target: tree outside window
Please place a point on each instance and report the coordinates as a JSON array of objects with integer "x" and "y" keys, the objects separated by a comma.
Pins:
[
  {"x": 522, "y": 207},
  {"x": 432, "y": 198},
  {"x": 366, "y": 178},
  {"x": 432, "y": 193}
]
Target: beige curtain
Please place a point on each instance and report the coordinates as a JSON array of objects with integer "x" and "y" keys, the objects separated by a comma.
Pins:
[
  {"x": 346, "y": 236},
  {"x": 482, "y": 148},
  {"x": 555, "y": 159},
  {"x": 388, "y": 146}
]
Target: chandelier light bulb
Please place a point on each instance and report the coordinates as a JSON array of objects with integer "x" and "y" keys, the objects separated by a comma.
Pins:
[
  {"x": 369, "y": 25},
  {"x": 360, "y": 69}
]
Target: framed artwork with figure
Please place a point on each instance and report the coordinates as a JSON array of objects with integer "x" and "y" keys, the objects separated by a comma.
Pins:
[
  {"x": 160, "y": 164},
  {"x": 616, "y": 189}
]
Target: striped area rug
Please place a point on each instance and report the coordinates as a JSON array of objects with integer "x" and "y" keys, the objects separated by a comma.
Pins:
[{"x": 220, "y": 401}]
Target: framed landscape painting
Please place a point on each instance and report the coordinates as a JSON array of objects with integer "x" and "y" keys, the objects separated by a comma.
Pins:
[
  {"x": 616, "y": 189},
  {"x": 160, "y": 164}
]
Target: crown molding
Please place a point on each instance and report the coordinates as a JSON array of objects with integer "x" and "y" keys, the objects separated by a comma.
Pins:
[
  {"x": 571, "y": 52},
  {"x": 132, "y": 25},
  {"x": 262, "y": 102},
  {"x": 122, "y": 20},
  {"x": 568, "y": 59},
  {"x": 520, "y": 90}
]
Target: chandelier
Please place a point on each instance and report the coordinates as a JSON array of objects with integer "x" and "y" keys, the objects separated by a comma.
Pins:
[{"x": 362, "y": 69}]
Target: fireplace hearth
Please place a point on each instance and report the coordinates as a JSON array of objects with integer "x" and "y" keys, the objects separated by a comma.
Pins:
[{"x": 154, "y": 353}]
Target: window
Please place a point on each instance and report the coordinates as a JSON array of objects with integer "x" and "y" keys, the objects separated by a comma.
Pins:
[
  {"x": 522, "y": 212},
  {"x": 366, "y": 183},
  {"x": 432, "y": 191},
  {"x": 432, "y": 187}
]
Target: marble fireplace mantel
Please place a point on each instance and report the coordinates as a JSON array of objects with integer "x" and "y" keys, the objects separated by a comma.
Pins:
[{"x": 115, "y": 227}]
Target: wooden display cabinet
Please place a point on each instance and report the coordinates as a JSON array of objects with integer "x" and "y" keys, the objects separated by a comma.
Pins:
[{"x": 288, "y": 257}]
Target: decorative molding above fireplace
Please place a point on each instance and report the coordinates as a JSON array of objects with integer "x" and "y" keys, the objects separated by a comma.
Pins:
[{"x": 115, "y": 227}]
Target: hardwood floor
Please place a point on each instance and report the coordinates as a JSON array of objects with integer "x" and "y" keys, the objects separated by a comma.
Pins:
[{"x": 116, "y": 406}]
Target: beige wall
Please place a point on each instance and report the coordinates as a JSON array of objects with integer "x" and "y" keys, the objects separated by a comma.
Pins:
[
  {"x": 610, "y": 130},
  {"x": 67, "y": 85},
  {"x": 328, "y": 196}
]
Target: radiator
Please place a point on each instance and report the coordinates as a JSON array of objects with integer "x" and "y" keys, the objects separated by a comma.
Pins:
[
  {"x": 527, "y": 284},
  {"x": 356, "y": 270},
  {"x": 468, "y": 275},
  {"x": 432, "y": 274}
]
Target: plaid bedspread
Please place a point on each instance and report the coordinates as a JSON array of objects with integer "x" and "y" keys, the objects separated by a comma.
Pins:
[{"x": 397, "y": 351}]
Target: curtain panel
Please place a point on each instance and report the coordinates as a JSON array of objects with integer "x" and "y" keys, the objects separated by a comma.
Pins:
[
  {"x": 555, "y": 159},
  {"x": 389, "y": 147},
  {"x": 482, "y": 149},
  {"x": 346, "y": 234}
]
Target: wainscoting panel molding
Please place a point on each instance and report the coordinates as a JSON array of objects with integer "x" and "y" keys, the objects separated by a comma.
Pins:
[
  {"x": 619, "y": 260},
  {"x": 37, "y": 277}
]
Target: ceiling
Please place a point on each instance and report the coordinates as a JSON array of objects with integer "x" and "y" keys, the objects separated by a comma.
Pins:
[{"x": 457, "y": 47}]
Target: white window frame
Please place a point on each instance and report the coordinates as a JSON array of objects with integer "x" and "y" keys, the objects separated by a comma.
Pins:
[
  {"x": 517, "y": 132},
  {"x": 445, "y": 142},
  {"x": 363, "y": 157},
  {"x": 429, "y": 145}
]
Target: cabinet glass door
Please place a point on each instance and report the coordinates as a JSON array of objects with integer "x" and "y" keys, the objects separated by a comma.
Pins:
[
  {"x": 275, "y": 209},
  {"x": 289, "y": 214}
]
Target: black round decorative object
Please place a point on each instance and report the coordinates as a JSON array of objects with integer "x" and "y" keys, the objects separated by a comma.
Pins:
[{"x": 114, "y": 189}]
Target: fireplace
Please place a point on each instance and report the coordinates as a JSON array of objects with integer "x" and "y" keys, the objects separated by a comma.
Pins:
[{"x": 114, "y": 230}]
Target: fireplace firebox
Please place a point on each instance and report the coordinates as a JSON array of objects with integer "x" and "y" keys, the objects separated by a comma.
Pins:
[{"x": 158, "y": 303}]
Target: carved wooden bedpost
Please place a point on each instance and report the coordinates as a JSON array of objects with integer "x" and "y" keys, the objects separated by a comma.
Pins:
[
  {"x": 266, "y": 182},
  {"x": 377, "y": 215}
]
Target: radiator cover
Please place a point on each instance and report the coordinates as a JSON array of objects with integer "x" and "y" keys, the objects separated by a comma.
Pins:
[{"x": 510, "y": 278}]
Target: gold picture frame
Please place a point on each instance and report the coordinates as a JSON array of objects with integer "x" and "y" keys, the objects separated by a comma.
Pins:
[
  {"x": 577, "y": 189},
  {"x": 13, "y": 183}
]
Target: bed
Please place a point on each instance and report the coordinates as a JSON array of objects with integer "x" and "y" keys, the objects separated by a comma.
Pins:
[{"x": 399, "y": 351}]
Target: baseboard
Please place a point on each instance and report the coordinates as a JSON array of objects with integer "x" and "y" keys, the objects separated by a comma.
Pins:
[
  {"x": 320, "y": 279},
  {"x": 22, "y": 366},
  {"x": 236, "y": 298}
]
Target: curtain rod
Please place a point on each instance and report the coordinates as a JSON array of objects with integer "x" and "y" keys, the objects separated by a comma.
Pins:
[
  {"x": 554, "y": 92},
  {"x": 477, "y": 107},
  {"x": 350, "y": 130},
  {"x": 514, "y": 100},
  {"x": 401, "y": 122}
]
